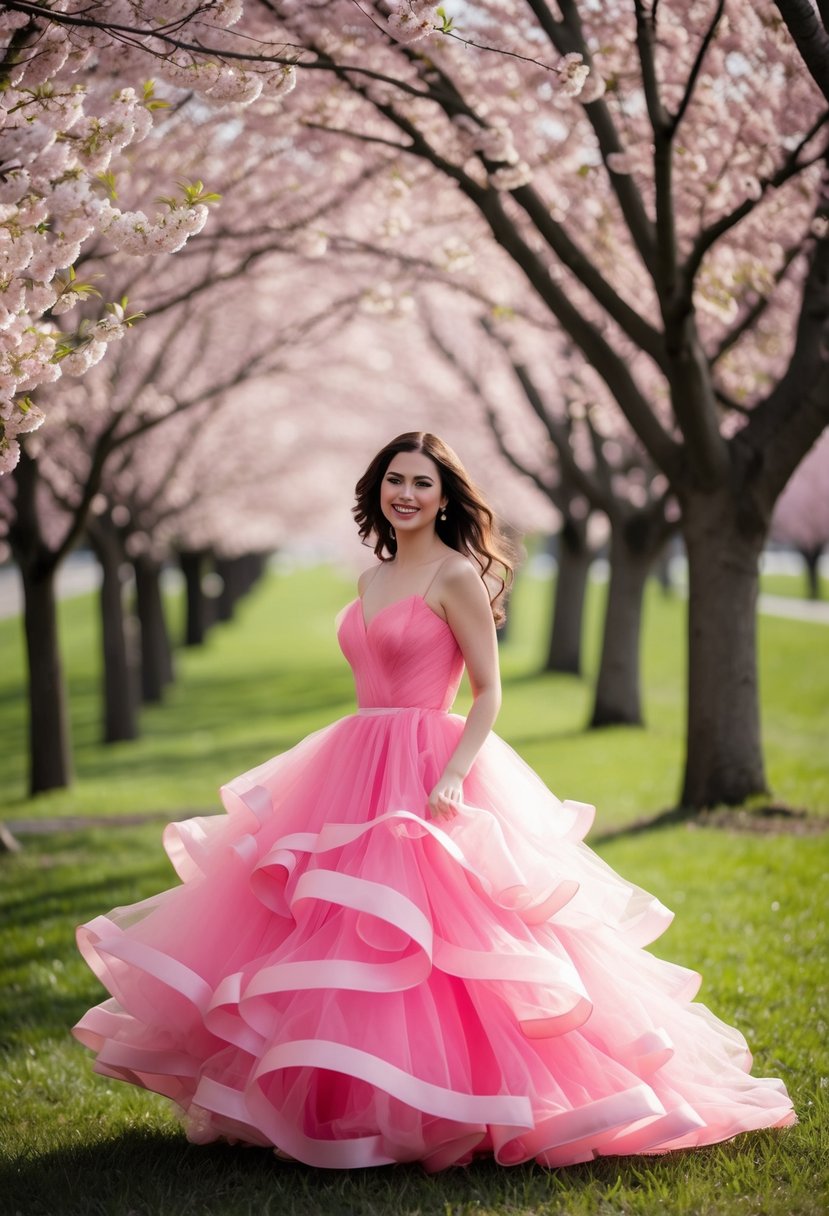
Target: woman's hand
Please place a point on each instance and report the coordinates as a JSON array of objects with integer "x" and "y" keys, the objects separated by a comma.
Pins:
[{"x": 445, "y": 797}]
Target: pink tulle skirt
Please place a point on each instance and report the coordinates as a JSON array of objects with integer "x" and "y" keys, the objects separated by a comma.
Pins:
[{"x": 341, "y": 977}]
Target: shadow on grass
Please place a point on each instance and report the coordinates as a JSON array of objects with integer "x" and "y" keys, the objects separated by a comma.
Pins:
[
  {"x": 214, "y": 700},
  {"x": 233, "y": 758},
  {"x": 669, "y": 818},
  {"x": 546, "y": 736},
  {"x": 86, "y": 897},
  {"x": 764, "y": 818},
  {"x": 535, "y": 675},
  {"x": 282, "y": 694},
  {"x": 153, "y": 1173},
  {"x": 147, "y": 1172}
]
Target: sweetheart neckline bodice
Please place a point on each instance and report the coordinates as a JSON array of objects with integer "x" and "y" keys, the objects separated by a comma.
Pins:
[
  {"x": 400, "y": 658},
  {"x": 404, "y": 600}
]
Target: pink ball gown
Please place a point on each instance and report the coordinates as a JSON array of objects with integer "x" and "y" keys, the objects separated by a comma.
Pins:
[{"x": 354, "y": 983}]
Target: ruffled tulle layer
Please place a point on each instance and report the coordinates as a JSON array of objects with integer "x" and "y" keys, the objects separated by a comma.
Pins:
[{"x": 344, "y": 979}]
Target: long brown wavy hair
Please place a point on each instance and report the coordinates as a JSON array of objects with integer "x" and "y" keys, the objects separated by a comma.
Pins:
[{"x": 470, "y": 526}]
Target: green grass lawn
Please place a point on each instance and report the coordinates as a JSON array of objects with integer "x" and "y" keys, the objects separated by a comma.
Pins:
[
  {"x": 752, "y": 916},
  {"x": 791, "y": 585},
  {"x": 260, "y": 685}
]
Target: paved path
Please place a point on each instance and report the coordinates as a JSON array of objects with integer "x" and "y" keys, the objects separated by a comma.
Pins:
[
  {"x": 79, "y": 574},
  {"x": 798, "y": 610},
  {"x": 77, "y": 823}
]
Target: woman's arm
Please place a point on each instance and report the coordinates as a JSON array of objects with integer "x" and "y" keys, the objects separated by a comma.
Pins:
[{"x": 465, "y": 602}]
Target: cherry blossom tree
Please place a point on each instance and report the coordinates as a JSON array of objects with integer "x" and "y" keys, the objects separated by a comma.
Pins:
[
  {"x": 266, "y": 216},
  {"x": 40, "y": 539},
  {"x": 577, "y": 449},
  {"x": 604, "y": 470},
  {"x": 801, "y": 516},
  {"x": 678, "y": 209},
  {"x": 104, "y": 414},
  {"x": 175, "y": 484},
  {"x": 62, "y": 124}
]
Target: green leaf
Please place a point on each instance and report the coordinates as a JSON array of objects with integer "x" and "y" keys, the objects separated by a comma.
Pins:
[
  {"x": 107, "y": 180},
  {"x": 447, "y": 24}
]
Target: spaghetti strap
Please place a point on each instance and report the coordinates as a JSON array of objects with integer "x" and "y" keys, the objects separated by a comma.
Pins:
[
  {"x": 434, "y": 576},
  {"x": 379, "y": 566}
]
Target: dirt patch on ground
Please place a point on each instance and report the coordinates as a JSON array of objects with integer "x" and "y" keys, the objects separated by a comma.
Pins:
[
  {"x": 78, "y": 823},
  {"x": 773, "y": 819}
]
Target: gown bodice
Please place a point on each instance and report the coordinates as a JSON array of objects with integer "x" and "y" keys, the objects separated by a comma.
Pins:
[{"x": 406, "y": 656}]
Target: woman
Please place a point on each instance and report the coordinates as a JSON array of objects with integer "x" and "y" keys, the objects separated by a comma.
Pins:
[{"x": 395, "y": 946}]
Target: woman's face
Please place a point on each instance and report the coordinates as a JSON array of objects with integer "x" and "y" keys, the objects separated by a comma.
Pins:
[{"x": 410, "y": 492}]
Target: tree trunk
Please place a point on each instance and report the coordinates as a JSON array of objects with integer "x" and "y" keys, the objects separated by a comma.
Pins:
[
  {"x": 617, "y": 699},
  {"x": 50, "y": 759},
  {"x": 120, "y": 708},
  {"x": 663, "y": 571},
  {"x": 156, "y": 653},
  {"x": 574, "y": 561},
  {"x": 232, "y": 571},
  {"x": 197, "y": 613},
  {"x": 250, "y": 570},
  {"x": 812, "y": 559},
  {"x": 724, "y": 755}
]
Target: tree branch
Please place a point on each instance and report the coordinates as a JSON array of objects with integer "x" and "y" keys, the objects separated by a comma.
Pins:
[
  {"x": 467, "y": 377},
  {"x": 666, "y": 242},
  {"x": 693, "y": 75},
  {"x": 447, "y": 278},
  {"x": 810, "y": 37},
  {"x": 101, "y": 450},
  {"x": 645, "y": 28},
  {"x": 604, "y": 473},
  {"x": 752, "y": 314},
  {"x": 596, "y": 493},
  {"x": 782, "y": 428},
  {"x": 567, "y": 37},
  {"x": 630, "y": 320},
  {"x": 607, "y": 362},
  {"x": 788, "y": 169},
  {"x": 360, "y": 136}
]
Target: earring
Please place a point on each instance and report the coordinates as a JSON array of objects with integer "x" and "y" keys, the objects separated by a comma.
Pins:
[
  {"x": 393, "y": 535},
  {"x": 443, "y": 514}
]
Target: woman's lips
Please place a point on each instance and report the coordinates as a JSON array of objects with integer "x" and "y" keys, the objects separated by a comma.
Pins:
[{"x": 404, "y": 512}]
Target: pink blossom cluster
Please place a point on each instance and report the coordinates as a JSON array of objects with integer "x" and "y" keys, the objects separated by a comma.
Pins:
[
  {"x": 497, "y": 102},
  {"x": 62, "y": 129},
  {"x": 410, "y": 20}
]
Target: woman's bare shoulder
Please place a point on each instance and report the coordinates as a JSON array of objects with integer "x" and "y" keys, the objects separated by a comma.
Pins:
[
  {"x": 460, "y": 577},
  {"x": 365, "y": 578}
]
